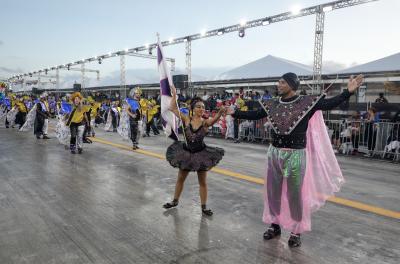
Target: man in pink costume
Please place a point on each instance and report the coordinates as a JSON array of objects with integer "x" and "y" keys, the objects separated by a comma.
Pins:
[{"x": 301, "y": 170}]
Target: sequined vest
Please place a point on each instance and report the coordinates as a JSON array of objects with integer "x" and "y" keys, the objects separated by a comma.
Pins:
[{"x": 285, "y": 116}]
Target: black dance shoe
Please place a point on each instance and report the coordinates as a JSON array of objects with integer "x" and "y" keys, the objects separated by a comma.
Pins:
[
  {"x": 272, "y": 232},
  {"x": 174, "y": 203},
  {"x": 294, "y": 240},
  {"x": 205, "y": 211}
]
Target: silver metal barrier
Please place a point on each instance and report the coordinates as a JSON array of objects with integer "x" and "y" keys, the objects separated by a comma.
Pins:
[
  {"x": 361, "y": 136},
  {"x": 348, "y": 137},
  {"x": 215, "y": 130}
]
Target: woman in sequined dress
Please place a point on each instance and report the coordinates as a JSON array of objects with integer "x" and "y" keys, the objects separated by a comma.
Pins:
[{"x": 194, "y": 154}]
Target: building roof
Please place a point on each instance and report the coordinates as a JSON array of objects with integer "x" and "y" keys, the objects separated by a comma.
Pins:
[
  {"x": 268, "y": 66},
  {"x": 388, "y": 64}
]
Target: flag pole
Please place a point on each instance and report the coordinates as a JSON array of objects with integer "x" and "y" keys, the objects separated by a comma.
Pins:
[
  {"x": 176, "y": 98},
  {"x": 180, "y": 117}
]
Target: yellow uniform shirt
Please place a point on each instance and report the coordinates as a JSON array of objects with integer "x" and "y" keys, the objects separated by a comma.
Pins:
[
  {"x": 241, "y": 104},
  {"x": 78, "y": 114},
  {"x": 95, "y": 108},
  {"x": 21, "y": 107}
]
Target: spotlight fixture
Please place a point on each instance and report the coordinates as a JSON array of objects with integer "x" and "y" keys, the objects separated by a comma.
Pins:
[
  {"x": 220, "y": 32},
  {"x": 241, "y": 32},
  {"x": 150, "y": 51},
  {"x": 327, "y": 8},
  {"x": 265, "y": 22}
]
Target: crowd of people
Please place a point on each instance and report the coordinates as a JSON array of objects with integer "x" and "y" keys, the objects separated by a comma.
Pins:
[
  {"x": 364, "y": 128},
  {"x": 77, "y": 115}
]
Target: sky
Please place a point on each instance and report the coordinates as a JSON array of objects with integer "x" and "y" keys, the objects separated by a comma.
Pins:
[{"x": 41, "y": 33}]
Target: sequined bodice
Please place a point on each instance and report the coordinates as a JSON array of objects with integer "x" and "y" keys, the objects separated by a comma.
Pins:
[{"x": 195, "y": 138}]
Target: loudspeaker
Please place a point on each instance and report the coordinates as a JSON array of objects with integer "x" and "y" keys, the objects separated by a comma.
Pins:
[
  {"x": 77, "y": 87},
  {"x": 37, "y": 91},
  {"x": 180, "y": 81}
]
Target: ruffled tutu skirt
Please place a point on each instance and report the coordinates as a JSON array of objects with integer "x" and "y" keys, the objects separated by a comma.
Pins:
[{"x": 180, "y": 157}]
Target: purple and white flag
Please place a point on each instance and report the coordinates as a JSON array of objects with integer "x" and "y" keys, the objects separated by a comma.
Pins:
[{"x": 169, "y": 120}]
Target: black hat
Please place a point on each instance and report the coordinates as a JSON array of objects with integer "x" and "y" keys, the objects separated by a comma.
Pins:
[{"x": 292, "y": 79}]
